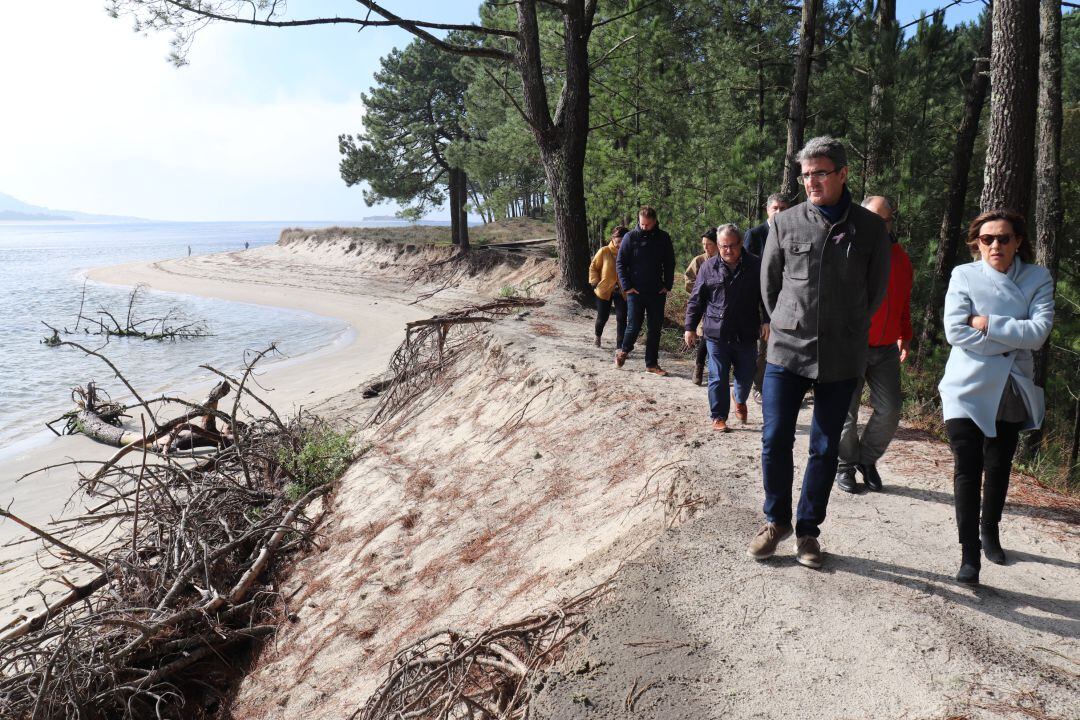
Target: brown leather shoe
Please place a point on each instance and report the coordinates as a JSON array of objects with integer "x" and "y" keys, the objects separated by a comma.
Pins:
[
  {"x": 720, "y": 426},
  {"x": 620, "y": 358},
  {"x": 657, "y": 370},
  {"x": 808, "y": 552},
  {"x": 768, "y": 537},
  {"x": 740, "y": 410}
]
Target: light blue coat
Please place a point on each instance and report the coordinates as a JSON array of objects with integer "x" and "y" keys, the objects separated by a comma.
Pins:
[{"x": 1020, "y": 305}]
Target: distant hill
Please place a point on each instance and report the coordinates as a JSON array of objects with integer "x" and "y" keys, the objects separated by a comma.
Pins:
[{"x": 11, "y": 208}]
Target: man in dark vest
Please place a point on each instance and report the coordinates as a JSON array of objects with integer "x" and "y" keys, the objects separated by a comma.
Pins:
[
  {"x": 824, "y": 272},
  {"x": 646, "y": 268}
]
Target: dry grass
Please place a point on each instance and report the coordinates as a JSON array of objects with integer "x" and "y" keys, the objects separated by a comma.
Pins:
[
  {"x": 496, "y": 232},
  {"x": 418, "y": 483}
]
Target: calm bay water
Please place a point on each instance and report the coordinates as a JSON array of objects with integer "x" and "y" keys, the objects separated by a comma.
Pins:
[{"x": 41, "y": 266}]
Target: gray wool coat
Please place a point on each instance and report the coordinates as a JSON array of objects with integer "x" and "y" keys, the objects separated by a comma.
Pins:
[{"x": 821, "y": 284}]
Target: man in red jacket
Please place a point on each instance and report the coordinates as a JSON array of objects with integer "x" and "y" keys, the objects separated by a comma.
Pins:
[{"x": 890, "y": 335}]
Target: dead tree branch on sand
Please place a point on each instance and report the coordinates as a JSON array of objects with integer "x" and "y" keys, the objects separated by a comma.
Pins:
[
  {"x": 486, "y": 676},
  {"x": 185, "y": 583},
  {"x": 422, "y": 361},
  {"x": 170, "y": 326}
]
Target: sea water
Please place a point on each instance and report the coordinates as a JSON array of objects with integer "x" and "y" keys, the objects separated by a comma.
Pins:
[{"x": 42, "y": 268}]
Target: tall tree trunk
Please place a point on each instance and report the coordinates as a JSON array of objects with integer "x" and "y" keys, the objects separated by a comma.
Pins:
[
  {"x": 879, "y": 138},
  {"x": 800, "y": 84},
  {"x": 956, "y": 200},
  {"x": 1010, "y": 147},
  {"x": 455, "y": 219},
  {"x": 562, "y": 136},
  {"x": 1048, "y": 210},
  {"x": 461, "y": 209}
]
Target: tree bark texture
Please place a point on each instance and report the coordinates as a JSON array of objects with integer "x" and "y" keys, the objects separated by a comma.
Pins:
[
  {"x": 1010, "y": 146},
  {"x": 1048, "y": 210},
  {"x": 949, "y": 237},
  {"x": 459, "y": 200},
  {"x": 562, "y": 136},
  {"x": 879, "y": 140},
  {"x": 796, "y": 121}
]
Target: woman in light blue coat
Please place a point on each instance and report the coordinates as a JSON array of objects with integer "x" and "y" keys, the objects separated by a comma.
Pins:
[{"x": 998, "y": 310}]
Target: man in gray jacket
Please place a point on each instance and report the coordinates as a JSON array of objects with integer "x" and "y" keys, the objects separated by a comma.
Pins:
[{"x": 824, "y": 271}]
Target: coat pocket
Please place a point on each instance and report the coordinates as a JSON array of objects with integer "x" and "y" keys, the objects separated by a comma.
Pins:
[
  {"x": 797, "y": 260},
  {"x": 785, "y": 316}
]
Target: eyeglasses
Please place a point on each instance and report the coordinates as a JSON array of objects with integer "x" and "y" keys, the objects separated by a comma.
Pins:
[
  {"x": 988, "y": 240},
  {"x": 817, "y": 175}
]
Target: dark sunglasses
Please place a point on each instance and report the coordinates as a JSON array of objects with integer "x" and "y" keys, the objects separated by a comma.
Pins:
[{"x": 988, "y": 240}]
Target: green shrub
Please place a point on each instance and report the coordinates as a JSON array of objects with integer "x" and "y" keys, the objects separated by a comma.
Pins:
[{"x": 320, "y": 455}]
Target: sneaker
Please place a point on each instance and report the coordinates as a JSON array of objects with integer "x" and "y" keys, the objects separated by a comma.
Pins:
[
  {"x": 808, "y": 552},
  {"x": 757, "y": 396},
  {"x": 720, "y": 426},
  {"x": 741, "y": 411},
  {"x": 699, "y": 374},
  {"x": 871, "y": 477},
  {"x": 768, "y": 537},
  {"x": 845, "y": 480},
  {"x": 620, "y": 358},
  {"x": 657, "y": 370}
]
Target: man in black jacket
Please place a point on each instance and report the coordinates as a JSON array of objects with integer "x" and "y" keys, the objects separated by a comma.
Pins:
[
  {"x": 646, "y": 268},
  {"x": 754, "y": 239},
  {"x": 754, "y": 243}
]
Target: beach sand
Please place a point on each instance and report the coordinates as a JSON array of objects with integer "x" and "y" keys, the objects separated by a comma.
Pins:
[
  {"x": 533, "y": 470},
  {"x": 376, "y": 311}
]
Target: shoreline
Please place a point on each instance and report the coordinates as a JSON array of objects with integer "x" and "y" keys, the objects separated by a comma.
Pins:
[{"x": 374, "y": 327}]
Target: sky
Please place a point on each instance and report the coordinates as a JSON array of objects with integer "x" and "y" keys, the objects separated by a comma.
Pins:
[{"x": 95, "y": 119}]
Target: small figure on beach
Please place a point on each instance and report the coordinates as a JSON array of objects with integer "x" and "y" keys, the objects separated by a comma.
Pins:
[
  {"x": 189, "y": 250},
  {"x": 726, "y": 298},
  {"x": 246, "y": 244},
  {"x": 754, "y": 243},
  {"x": 708, "y": 244},
  {"x": 605, "y": 282},
  {"x": 890, "y": 337},
  {"x": 646, "y": 267},
  {"x": 998, "y": 310},
  {"x": 824, "y": 273}
]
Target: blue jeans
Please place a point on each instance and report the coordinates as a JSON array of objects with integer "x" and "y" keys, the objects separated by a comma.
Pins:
[
  {"x": 650, "y": 308},
  {"x": 782, "y": 392},
  {"x": 722, "y": 356}
]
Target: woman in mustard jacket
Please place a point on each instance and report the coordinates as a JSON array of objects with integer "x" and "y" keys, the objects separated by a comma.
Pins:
[{"x": 605, "y": 281}]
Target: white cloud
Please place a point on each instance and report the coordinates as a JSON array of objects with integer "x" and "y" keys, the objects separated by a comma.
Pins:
[{"x": 95, "y": 119}]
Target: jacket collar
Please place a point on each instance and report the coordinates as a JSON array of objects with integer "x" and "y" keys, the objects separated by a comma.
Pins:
[{"x": 1006, "y": 281}]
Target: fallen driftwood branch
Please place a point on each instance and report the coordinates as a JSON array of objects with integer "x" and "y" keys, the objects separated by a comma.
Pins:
[
  {"x": 489, "y": 675},
  {"x": 185, "y": 579},
  {"x": 170, "y": 326},
  {"x": 421, "y": 362}
]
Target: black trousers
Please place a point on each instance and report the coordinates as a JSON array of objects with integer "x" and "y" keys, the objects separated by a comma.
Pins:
[
  {"x": 603, "y": 312},
  {"x": 975, "y": 455},
  {"x": 702, "y": 352}
]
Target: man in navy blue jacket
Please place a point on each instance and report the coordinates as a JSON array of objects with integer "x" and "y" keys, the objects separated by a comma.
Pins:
[
  {"x": 646, "y": 268},
  {"x": 727, "y": 295}
]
